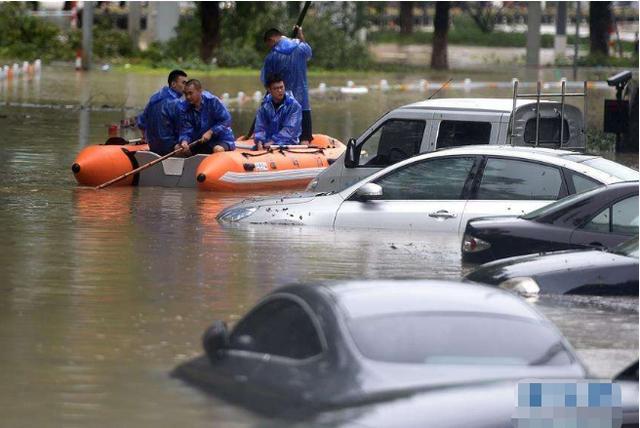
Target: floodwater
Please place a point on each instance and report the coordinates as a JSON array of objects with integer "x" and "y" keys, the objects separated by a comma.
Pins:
[{"x": 103, "y": 293}]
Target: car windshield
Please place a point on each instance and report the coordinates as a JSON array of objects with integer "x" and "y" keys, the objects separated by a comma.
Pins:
[
  {"x": 457, "y": 338},
  {"x": 559, "y": 204},
  {"x": 628, "y": 248},
  {"x": 612, "y": 168}
]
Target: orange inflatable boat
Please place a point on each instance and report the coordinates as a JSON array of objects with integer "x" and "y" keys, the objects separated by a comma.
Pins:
[{"x": 241, "y": 169}]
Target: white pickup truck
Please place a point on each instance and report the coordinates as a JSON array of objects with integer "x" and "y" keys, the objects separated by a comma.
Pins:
[{"x": 448, "y": 122}]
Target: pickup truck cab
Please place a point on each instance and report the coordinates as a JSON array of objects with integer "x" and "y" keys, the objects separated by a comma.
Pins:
[{"x": 434, "y": 124}]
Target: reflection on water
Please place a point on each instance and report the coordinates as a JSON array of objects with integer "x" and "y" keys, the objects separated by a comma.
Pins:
[{"x": 104, "y": 292}]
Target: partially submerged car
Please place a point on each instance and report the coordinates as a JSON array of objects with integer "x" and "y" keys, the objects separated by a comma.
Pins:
[
  {"x": 441, "y": 191},
  {"x": 602, "y": 217},
  {"x": 318, "y": 347},
  {"x": 591, "y": 272}
]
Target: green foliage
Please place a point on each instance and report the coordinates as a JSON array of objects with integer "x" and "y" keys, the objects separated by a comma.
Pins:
[
  {"x": 27, "y": 38},
  {"x": 598, "y": 141},
  {"x": 112, "y": 43}
]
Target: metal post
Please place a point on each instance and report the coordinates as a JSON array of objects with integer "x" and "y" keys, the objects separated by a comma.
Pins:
[
  {"x": 560, "y": 39},
  {"x": 87, "y": 35},
  {"x": 513, "y": 111},
  {"x": 534, "y": 13},
  {"x": 575, "y": 42},
  {"x": 538, "y": 89},
  {"x": 133, "y": 22},
  {"x": 584, "y": 114},
  {"x": 563, "y": 84}
]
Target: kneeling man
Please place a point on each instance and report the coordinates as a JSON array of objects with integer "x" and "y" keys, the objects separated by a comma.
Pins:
[
  {"x": 279, "y": 118},
  {"x": 203, "y": 116}
]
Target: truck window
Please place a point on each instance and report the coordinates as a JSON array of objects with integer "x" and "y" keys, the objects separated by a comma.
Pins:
[
  {"x": 453, "y": 133},
  {"x": 395, "y": 140},
  {"x": 549, "y": 131}
]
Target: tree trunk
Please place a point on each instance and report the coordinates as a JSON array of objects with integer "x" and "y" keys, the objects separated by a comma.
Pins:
[
  {"x": 210, "y": 25},
  {"x": 406, "y": 17},
  {"x": 439, "y": 59},
  {"x": 599, "y": 23}
]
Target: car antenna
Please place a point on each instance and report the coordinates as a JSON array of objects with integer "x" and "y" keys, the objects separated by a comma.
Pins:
[{"x": 444, "y": 85}]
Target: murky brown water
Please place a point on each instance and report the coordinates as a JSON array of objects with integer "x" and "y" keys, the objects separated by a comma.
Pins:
[{"x": 103, "y": 293}]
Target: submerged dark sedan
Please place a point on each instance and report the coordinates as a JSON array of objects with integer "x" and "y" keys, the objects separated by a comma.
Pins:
[
  {"x": 601, "y": 217},
  {"x": 319, "y": 347},
  {"x": 593, "y": 272}
]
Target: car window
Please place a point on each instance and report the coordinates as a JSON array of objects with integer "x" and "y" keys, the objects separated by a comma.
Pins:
[
  {"x": 277, "y": 327},
  {"x": 440, "y": 179},
  {"x": 621, "y": 217},
  {"x": 599, "y": 223},
  {"x": 457, "y": 338},
  {"x": 582, "y": 183},
  {"x": 624, "y": 216},
  {"x": 520, "y": 180},
  {"x": 560, "y": 204},
  {"x": 395, "y": 140},
  {"x": 549, "y": 131},
  {"x": 454, "y": 133}
]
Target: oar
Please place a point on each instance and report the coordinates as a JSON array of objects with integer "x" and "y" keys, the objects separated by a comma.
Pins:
[
  {"x": 145, "y": 166},
  {"x": 294, "y": 33}
]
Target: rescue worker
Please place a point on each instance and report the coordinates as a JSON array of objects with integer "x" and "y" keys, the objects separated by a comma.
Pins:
[
  {"x": 279, "y": 118},
  {"x": 160, "y": 121},
  {"x": 288, "y": 58},
  {"x": 203, "y": 116}
]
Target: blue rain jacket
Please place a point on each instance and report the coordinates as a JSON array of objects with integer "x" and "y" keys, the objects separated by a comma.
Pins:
[
  {"x": 282, "y": 125},
  {"x": 161, "y": 120},
  {"x": 289, "y": 59},
  {"x": 213, "y": 115}
]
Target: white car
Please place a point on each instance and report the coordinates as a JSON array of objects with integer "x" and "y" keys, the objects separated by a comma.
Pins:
[{"x": 442, "y": 190}]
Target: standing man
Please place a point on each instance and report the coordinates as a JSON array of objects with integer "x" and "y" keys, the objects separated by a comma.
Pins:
[
  {"x": 279, "y": 118},
  {"x": 160, "y": 121},
  {"x": 203, "y": 116},
  {"x": 288, "y": 58}
]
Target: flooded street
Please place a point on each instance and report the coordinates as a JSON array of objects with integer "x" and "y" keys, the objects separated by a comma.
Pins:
[{"x": 103, "y": 293}]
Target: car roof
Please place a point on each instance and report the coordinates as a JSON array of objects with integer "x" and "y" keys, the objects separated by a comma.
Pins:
[
  {"x": 384, "y": 297},
  {"x": 504, "y": 105},
  {"x": 562, "y": 158}
]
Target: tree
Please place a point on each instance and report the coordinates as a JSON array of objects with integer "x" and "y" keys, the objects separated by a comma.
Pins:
[
  {"x": 406, "y": 17},
  {"x": 439, "y": 59},
  {"x": 599, "y": 24},
  {"x": 483, "y": 13},
  {"x": 210, "y": 25}
]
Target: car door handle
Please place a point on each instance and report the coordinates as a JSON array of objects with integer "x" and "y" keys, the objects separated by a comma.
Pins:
[{"x": 442, "y": 214}]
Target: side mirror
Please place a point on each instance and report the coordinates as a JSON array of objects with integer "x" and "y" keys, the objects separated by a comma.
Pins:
[
  {"x": 369, "y": 191},
  {"x": 215, "y": 340},
  {"x": 350, "y": 154}
]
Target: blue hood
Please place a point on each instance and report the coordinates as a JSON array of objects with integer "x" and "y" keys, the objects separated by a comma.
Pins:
[
  {"x": 164, "y": 93},
  {"x": 286, "y": 46}
]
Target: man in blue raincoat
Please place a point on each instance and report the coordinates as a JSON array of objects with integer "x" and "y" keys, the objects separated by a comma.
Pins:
[
  {"x": 279, "y": 118},
  {"x": 160, "y": 121},
  {"x": 288, "y": 58},
  {"x": 203, "y": 116}
]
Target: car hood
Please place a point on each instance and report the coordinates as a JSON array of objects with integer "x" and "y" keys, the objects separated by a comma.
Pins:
[
  {"x": 557, "y": 261},
  {"x": 265, "y": 201}
]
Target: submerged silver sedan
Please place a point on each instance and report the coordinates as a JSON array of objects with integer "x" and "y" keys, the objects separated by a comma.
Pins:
[{"x": 441, "y": 191}]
